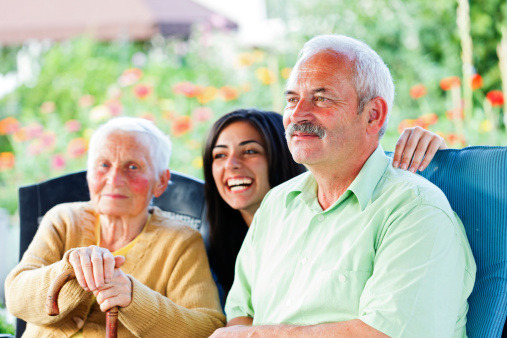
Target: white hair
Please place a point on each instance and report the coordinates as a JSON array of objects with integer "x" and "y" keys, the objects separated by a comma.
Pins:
[
  {"x": 160, "y": 144},
  {"x": 371, "y": 77}
]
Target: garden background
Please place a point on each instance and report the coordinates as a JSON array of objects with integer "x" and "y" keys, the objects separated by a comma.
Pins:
[{"x": 448, "y": 60}]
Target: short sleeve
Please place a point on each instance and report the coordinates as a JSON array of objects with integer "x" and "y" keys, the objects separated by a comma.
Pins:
[{"x": 420, "y": 280}]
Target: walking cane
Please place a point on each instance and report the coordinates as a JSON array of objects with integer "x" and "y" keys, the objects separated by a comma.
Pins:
[{"x": 52, "y": 303}]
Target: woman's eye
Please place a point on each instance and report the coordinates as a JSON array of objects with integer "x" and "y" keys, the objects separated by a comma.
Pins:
[
  {"x": 217, "y": 156},
  {"x": 251, "y": 151}
]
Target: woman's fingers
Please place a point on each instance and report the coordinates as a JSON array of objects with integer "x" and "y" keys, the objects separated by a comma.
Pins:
[
  {"x": 400, "y": 146},
  {"x": 86, "y": 265},
  {"x": 109, "y": 265},
  {"x": 76, "y": 265},
  {"x": 117, "y": 293},
  {"x": 98, "y": 265}
]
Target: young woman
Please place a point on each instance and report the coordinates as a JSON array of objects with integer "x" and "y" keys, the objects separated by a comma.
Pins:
[{"x": 246, "y": 155}]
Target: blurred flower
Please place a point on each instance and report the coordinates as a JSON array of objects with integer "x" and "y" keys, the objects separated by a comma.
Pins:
[
  {"x": 495, "y": 98},
  {"x": 455, "y": 114},
  {"x": 450, "y": 82},
  {"x": 100, "y": 113},
  {"x": 35, "y": 147},
  {"x": 48, "y": 107},
  {"x": 485, "y": 126},
  {"x": 228, "y": 93},
  {"x": 73, "y": 126},
  {"x": 245, "y": 87},
  {"x": 202, "y": 114},
  {"x": 34, "y": 130},
  {"x": 285, "y": 73},
  {"x": 417, "y": 91},
  {"x": 197, "y": 162},
  {"x": 453, "y": 138},
  {"x": 114, "y": 93},
  {"x": 20, "y": 135},
  {"x": 7, "y": 161},
  {"x": 115, "y": 107},
  {"x": 187, "y": 88},
  {"x": 476, "y": 81},
  {"x": 407, "y": 123},
  {"x": 168, "y": 115},
  {"x": 77, "y": 147},
  {"x": 9, "y": 125},
  {"x": 249, "y": 58},
  {"x": 181, "y": 125},
  {"x": 58, "y": 162},
  {"x": 265, "y": 75},
  {"x": 48, "y": 141},
  {"x": 86, "y": 101},
  {"x": 427, "y": 120},
  {"x": 130, "y": 76},
  {"x": 142, "y": 91},
  {"x": 207, "y": 95},
  {"x": 148, "y": 116}
]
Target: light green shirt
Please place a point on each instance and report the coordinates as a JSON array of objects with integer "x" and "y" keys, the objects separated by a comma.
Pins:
[{"x": 390, "y": 252}]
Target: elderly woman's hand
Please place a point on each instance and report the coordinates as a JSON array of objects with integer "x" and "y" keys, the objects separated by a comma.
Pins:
[
  {"x": 94, "y": 266},
  {"x": 116, "y": 293}
]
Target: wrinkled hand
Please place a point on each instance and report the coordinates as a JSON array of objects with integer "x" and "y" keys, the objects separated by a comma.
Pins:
[
  {"x": 98, "y": 271},
  {"x": 415, "y": 149},
  {"x": 233, "y": 331}
]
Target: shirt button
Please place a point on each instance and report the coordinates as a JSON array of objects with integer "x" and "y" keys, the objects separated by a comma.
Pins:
[
  {"x": 288, "y": 303},
  {"x": 342, "y": 278},
  {"x": 304, "y": 260},
  {"x": 320, "y": 218}
]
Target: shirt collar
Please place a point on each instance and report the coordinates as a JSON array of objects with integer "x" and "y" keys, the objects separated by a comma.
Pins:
[{"x": 362, "y": 187}]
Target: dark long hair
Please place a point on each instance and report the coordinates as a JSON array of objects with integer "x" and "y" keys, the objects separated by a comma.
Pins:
[{"x": 227, "y": 227}]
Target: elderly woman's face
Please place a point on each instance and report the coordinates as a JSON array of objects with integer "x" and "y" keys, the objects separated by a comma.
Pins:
[{"x": 122, "y": 179}]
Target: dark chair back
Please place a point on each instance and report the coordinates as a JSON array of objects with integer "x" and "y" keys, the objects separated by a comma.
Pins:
[
  {"x": 474, "y": 179},
  {"x": 184, "y": 198}
]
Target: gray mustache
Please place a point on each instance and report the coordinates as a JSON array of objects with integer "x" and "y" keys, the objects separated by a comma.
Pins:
[{"x": 307, "y": 128}]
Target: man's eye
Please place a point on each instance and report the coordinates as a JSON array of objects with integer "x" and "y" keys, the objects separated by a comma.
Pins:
[
  {"x": 320, "y": 99},
  {"x": 133, "y": 167},
  {"x": 292, "y": 99},
  {"x": 103, "y": 165}
]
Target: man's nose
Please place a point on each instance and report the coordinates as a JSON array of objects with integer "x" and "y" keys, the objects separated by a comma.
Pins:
[{"x": 302, "y": 112}]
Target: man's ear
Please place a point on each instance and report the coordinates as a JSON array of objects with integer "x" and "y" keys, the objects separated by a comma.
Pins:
[
  {"x": 163, "y": 181},
  {"x": 376, "y": 112}
]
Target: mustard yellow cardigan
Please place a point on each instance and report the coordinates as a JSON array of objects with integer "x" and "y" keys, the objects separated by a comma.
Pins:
[{"x": 173, "y": 292}]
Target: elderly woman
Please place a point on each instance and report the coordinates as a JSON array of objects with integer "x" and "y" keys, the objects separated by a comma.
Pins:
[{"x": 124, "y": 252}]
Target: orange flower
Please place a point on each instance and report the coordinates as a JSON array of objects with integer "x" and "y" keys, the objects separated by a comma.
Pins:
[
  {"x": 86, "y": 101},
  {"x": 207, "y": 95},
  {"x": 181, "y": 125},
  {"x": 9, "y": 125},
  {"x": 20, "y": 136},
  {"x": 77, "y": 147},
  {"x": 7, "y": 161},
  {"x": 265, "y": 75},
  {"x": 142, "y": 91},
  {"x": 495, "y": 98},
  {"x": 407, "y": 123},
  {"x": 285, "y": 73},
  {"x": 228, "y": 93},
  {"x": 148, "y": 116},
  {"x": 427, "y": 120},
  {"x": 456, "y": 139},
  {"x": 73, "y": 126},
  {"x": 202, "y": 114},
  {"x": 450, "y": 82},
  {"x": 187, "y": 88},
  {"x": 417, "y": 91},
  {"x": 58, "y": 162},
  {"x": 455, "y": 114},
  {"x": 130, "y": 76},
  {"x": 48, "y": 107},
  {"x": 476, "y": 81}
]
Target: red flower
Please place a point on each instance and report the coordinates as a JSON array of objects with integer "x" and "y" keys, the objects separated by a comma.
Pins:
[
  {"x": 228, "y": 93},
  {"x": 455, "y": 114},
  {"x": 417, "y": 91},
  {"x": 57, "y": 162},
  {"x": 73, "y": 126},
  {"x": 181, "y": 125},
  {"x": 202, "y": 114},
  {"x": 476, "y": 81},
  {"x": 450, "y": 82},
  {"x": 187, "y": 88},
  {"x": 495, "y": 98},
  {"x": 142, "y": 91},
  {"x": 130, "y": 76},
  {"x": 427, "y": 120},
  {"x": 407, "y": 123}
]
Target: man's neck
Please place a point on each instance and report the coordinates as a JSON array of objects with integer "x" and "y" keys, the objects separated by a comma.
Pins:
[{"x": 333, "y": 179}]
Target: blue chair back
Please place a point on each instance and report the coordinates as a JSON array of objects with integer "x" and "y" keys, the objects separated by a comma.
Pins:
[{"x": 474, "y": 179}]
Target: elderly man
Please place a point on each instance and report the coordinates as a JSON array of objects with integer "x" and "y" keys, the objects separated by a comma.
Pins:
[{"x": 353, "y": 247}]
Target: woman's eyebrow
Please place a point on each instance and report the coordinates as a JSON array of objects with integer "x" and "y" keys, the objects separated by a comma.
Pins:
[{"x": 249, "y": 141}]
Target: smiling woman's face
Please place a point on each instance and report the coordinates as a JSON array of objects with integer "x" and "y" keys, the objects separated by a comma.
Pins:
[
  {"x": 240, "y": 167},
  {"x": 122, "y": 178}
]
